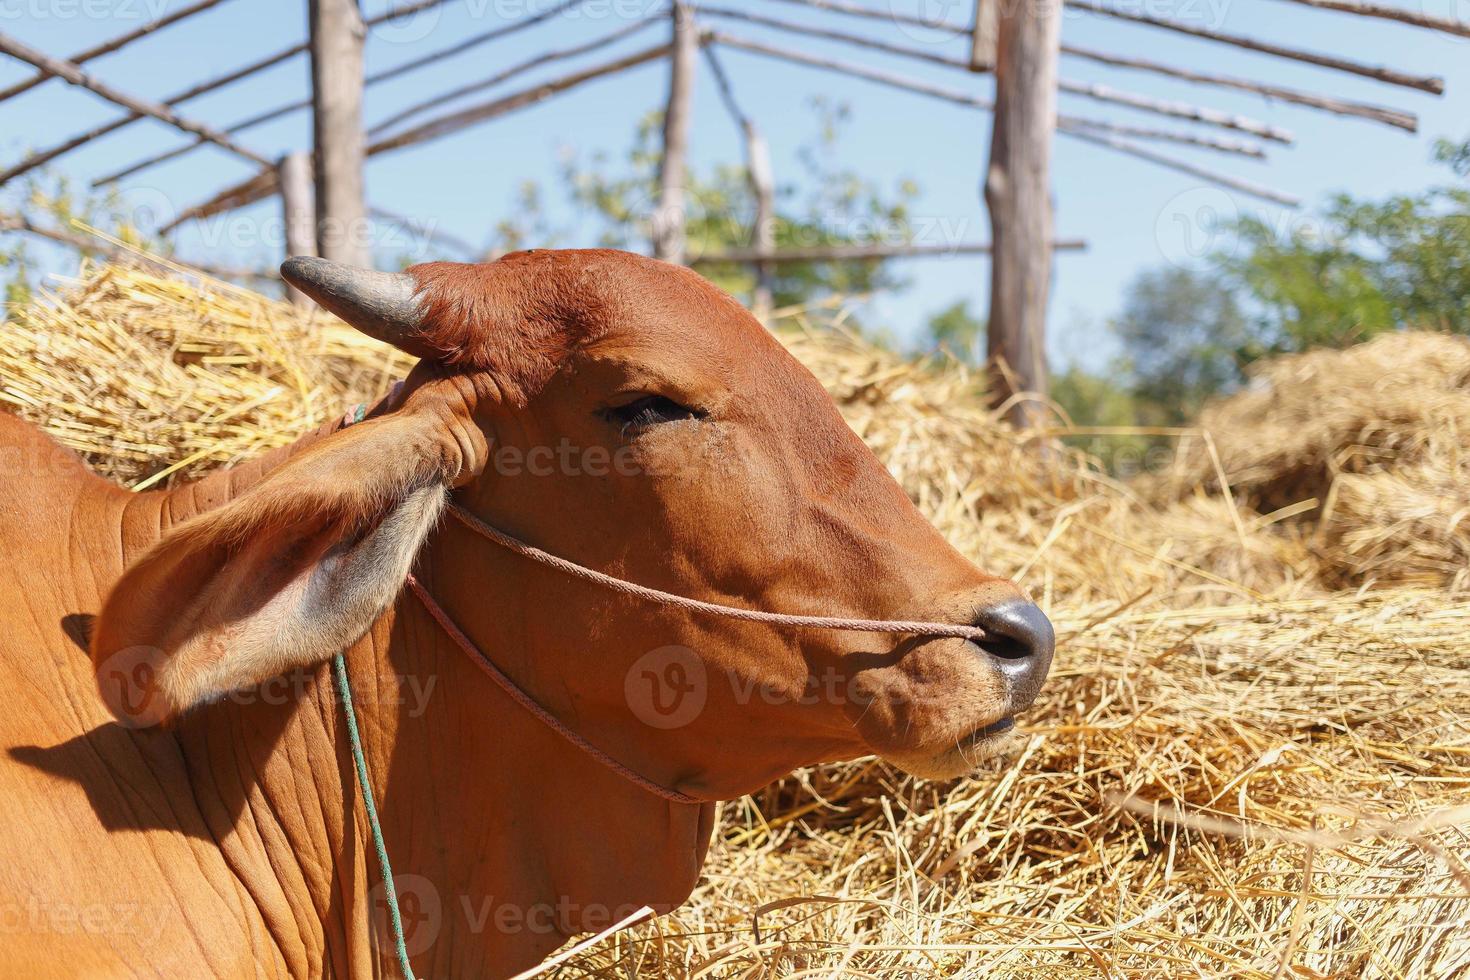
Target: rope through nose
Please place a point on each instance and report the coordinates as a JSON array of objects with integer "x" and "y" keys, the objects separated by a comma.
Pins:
[{"x": 566, "y": 567}]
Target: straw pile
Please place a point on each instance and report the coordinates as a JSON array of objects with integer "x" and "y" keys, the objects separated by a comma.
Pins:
[
  {"x": 1377, "y": 435},
  {"x": 153, "y": 379},
  {"x": 1236, "y": 771}
]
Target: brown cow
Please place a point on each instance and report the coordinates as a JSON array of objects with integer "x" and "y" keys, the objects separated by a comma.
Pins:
[{"x": 614, "y": 410}]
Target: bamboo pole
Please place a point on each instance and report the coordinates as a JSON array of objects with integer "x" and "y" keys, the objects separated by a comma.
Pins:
[
  {"x": 74, "y": 75},
  {"x": 263, "y": 184},
  {"x": 1391, "y": 76},
  {"x": 762, "y": 181},
  {"x": 107, "y": 47},
  {"x": 337, "y": 35},
  {"x": 1416, "y": 18},
  {"x": 286, "y": 108},
  {"x": 1179, "y": 110},
  {"x": 859, "y": 253},
  {"x": 668, "y": 220},
  {"x": 1018, "y": 197},
  {"x": 298, "y": 213},
  {"x": 41, "y": 157}
]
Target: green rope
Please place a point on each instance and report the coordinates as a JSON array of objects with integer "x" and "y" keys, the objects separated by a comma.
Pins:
[
  {"x": 354, "y": 739},
  {"x": 359, "y": 762}
]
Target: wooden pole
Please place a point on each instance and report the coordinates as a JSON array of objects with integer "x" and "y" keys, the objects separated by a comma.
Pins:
[
  {"x": 143, "y": 107},
  {"x": 668, "y": 220},
  {"x": 337, "y": 35},
  {"x": 762, "y": 180},
  {"x": 117, "y": 253},
  {"x": 763, "y": 186},
  {"x": 1067, "y": 125},
  {"x": 982, "y": 35},
  {"x": 1342, "y": 107},
  {"x": 1391, "y": 76},
  {"x": 1179, "y": 110},
  {"x": 1070, "y": 125},
  {"x": 469, "y": 88},
  {"x": 860, "y": 253},
  {"x": 264, "y": 184},
  {"x": 107, "y": 47},
  {"x": 427, "y": 231},
  {"x": 41, "y": 157},
  {"x": 1112, "y": 142},
  {"x": 1018, "y": 196},
  {"x": 298, "y": 213},
  {"x": 286, "y": 108},
  {"x": 455, "y": 121},
  {"x": 1416, "y": 18},
  {"x": 1280, "y": 93}
]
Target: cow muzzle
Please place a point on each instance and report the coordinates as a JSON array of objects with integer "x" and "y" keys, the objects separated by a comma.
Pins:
[
  {"x": 940, "y": 708},
  {"x": 1022, "y": 648}
]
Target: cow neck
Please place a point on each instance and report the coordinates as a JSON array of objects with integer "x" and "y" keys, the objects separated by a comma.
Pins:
[{"x": 483, "y": 811}]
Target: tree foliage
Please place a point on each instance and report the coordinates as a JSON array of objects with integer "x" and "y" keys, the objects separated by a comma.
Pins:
[
  {"x": 1357, "y": 268},
  {"x": 830, "y": 205}
]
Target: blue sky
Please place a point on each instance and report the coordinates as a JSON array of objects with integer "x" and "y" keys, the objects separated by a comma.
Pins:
[{"x": 1133, "y": 214}]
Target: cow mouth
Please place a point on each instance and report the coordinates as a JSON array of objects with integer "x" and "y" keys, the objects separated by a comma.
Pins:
[
  {"x": 965, "y": 757},
  {"x": 988, "y": 732}
]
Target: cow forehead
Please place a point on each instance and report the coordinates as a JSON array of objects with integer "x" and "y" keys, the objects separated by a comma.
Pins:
[
  {"x": 644, "y": 310},
  {"x": 528, "y": 312}
]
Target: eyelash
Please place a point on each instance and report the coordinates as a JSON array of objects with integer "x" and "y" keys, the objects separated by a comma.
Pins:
[{"x": 650, "y": 410}]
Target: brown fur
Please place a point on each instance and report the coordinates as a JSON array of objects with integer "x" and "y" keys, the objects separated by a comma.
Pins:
[{"x": 238, "y": 821}]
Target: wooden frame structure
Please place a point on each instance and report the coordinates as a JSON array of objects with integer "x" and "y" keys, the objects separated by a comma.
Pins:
[{"x": 325, "y": 204}]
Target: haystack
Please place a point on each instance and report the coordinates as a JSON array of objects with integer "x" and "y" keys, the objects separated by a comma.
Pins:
[
  {"x": 1234, "y": 771},
  {"x": 1378, "y": 435}
]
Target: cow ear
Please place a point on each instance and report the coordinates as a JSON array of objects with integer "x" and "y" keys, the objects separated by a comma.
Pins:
[{"x": 285, "y": 576}]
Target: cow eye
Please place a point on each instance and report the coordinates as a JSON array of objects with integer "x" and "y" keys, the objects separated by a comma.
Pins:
[{"x": 650, "y": 410}]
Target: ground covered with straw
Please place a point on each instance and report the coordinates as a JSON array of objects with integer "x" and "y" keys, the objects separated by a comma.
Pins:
[{"x": 1253, "y": 757}]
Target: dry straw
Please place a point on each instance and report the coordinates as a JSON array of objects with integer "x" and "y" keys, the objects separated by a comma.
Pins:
[{"x": 1253, "y": 758}]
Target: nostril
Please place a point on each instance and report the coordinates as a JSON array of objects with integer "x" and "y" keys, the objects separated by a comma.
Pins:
[
  {"x": 1021, "y": 641},
  {"x": 1005, "y": 647}
]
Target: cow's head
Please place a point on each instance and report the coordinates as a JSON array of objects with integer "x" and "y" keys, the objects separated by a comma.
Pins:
[{"x": 626, "y": 414}]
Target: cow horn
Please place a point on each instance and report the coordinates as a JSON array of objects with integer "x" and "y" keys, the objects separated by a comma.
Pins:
[{"x": 384, "y": 305}]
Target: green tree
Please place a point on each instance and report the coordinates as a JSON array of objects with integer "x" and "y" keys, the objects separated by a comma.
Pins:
[
  {"x": 831, "y": 205},
  {"x": 957, "y": 331},
  {"x": 1185, "y": 339},
  {"x": 1371, "y": 266},
  {"x": 1358, "y": 269},
  {"x": 1456, "y": 155},
  {"x": 51, "y": 200}
]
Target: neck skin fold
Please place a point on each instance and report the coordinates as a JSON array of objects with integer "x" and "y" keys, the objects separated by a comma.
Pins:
[{"x": 500, "y": 853}]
